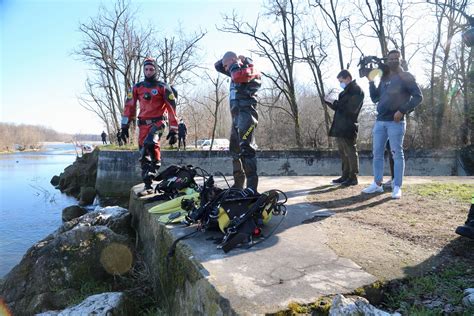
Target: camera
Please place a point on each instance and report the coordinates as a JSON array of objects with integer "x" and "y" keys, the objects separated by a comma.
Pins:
[{"x": 369, "y": 63}]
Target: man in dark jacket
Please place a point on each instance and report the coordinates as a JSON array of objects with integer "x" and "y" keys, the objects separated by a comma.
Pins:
[
  {"x": 345, "y": 127},
  {"x": 182, "y": 132}
]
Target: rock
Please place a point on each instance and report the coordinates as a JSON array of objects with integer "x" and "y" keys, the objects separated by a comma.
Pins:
[
  {"x": 72, "y": 212},
  {"x": 80, "y": 251},
  {"x": 115, "y": 217},
  {"x": 87, "y": 195},
  {"x": 342, "y": 306},
  {"x": 82, "y": 173},
  {"x": 55, "y": 181},
  {"x": 110, "y": 303},
  {"x": 468, "y": 299}
]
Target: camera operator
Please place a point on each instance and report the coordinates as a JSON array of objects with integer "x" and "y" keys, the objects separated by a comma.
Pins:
[{"x": 396, "y": 95}]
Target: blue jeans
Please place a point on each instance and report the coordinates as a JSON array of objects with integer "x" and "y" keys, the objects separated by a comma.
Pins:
[{"x": 394, "y": 132}]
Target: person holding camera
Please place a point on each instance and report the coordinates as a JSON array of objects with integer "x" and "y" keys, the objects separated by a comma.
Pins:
[
  {"x": 396, "y": 95},
  {"x": 345, "y": 127},
  {"x": 157, "y": 106}
]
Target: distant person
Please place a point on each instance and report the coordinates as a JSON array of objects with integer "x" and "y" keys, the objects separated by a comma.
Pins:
[
  {"x": 245, "y": 82},
  {"x": 104, "y": 138},
  {"x": 119, "y": 138},
  {"x": 182, "y": 132},
  {"x": 157, "y": 105},
  {"x": 396, "y": 95},
  {"x": 345, "y": 126}
]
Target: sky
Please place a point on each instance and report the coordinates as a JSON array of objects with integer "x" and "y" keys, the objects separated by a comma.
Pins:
[{"x": 40, "y": 78}]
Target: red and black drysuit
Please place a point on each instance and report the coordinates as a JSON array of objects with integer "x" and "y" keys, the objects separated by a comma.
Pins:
[
  {"x": 245, "y": 82},
  {"x": 157, "y": 104}
]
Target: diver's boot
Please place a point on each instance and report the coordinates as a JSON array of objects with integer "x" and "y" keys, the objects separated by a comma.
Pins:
[
  {"x": 146, "y": 191},
  {"x": 467, "y": 230}
]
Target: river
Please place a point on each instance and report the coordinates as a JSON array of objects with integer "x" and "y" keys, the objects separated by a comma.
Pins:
[{"x": 30, "y": 207}]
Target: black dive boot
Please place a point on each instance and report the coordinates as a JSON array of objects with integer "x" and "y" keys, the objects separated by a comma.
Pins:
[
  {"x": 148, "y": 174},
  {"x": 340, "y": 180},
  {"x": 147, "y": 190},
  {"x": 467, "y": 230}
]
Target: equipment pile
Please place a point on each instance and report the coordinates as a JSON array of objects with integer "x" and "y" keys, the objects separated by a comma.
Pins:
[{"x": 238, "y": 214}]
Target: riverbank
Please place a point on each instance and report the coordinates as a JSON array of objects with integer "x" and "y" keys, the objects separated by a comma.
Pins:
[{"x": 388, "y": 251}]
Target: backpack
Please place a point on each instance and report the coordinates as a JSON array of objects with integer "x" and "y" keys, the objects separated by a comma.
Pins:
[
  {"x": 239, "y": 218},
  {"x": 174, "y": 179}
]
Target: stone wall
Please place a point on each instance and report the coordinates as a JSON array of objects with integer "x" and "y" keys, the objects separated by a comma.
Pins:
[
  {"x": 179, "y": 280},
  {"x": 118, "y": 171}
]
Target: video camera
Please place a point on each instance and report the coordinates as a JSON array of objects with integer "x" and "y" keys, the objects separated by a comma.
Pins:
[{"x": 369, "y": 63}]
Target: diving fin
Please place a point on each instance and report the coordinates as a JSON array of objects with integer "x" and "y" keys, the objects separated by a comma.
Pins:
[
  {"x": 172, "y": 218},
  {"x": 171, "y": 205}
]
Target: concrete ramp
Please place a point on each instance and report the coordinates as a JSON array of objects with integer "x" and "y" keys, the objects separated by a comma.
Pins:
[{"x": 292, "y": 265}]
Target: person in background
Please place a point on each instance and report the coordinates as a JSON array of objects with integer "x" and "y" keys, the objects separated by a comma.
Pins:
[
  {"x": 396, "y": 95},
  {"x": 245, "y": 82},
  {"x": 157, "y": 105},
  {"x": 119, "y": 138},
  {"x": 104, "y": 138},
  {"x": 345, "y": 126},
  {"x": 182, "y": 132}
]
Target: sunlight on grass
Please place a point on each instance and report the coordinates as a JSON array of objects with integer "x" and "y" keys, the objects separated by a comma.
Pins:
[
  {"x": 446, "y": 286},
  {"x": 444, "y": 191}
]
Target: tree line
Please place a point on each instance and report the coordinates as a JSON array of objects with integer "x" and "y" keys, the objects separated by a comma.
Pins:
[
  {"x": 27, "y": 137},
  {"x": 315, "y": 37}
]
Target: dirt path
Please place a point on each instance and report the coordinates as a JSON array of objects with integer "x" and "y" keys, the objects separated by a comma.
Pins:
[{"x": 393, "y": 238}]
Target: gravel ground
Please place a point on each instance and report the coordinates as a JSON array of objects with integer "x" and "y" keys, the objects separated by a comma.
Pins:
[{"x": 393, "y": 238}]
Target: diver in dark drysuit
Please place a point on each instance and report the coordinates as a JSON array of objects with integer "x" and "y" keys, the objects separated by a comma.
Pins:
[{"x": 245, "y": 82}]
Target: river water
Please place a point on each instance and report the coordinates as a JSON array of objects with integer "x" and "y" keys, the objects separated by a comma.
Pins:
[{"x": 30, "y": 207}]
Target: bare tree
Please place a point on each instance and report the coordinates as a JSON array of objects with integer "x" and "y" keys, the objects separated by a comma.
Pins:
[
  {"x": 449, "y": 14},
  {"x": 315, "y": 57},
  {"x": 214, "y": 101},
  {"x": 195, "y": 116},
  {"x": 278, "y": 48},
  {"x": 177, "y": 56},
  {"x": 400, "y": 25},
  {"x": 114, "y": 48},
  {"x": 374, "y": 17},
  {"x": 334, "y": 22}
]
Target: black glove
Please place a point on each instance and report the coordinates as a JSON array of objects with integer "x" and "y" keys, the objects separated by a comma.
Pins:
[
  {"x": 172, "y": 137},
  {"x": 124, "y": 131}
]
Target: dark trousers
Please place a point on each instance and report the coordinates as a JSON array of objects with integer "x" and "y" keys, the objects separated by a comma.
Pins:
[
  {"x": 244, "y": 162},
  {"x": 181, "y": 138},
  {"x": 349, "y": 156}
]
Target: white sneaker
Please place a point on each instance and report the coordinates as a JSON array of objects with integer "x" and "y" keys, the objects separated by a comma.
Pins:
[
  {"x": 373, "y": 188},
  {"x": 397, "y": 192}
]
